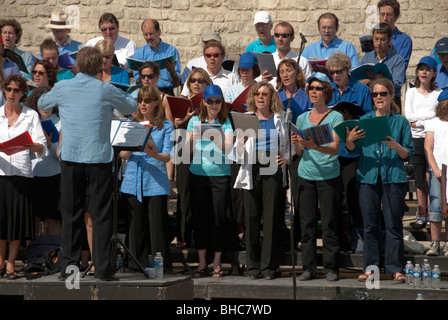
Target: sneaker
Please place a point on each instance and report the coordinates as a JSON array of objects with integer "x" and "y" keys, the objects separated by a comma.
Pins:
[
  {"x": 434, "y": 249},
  {"x": 445, "y": 249}
]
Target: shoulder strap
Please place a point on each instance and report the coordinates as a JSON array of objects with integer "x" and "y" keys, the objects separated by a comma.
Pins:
[{"x": 323, "y": 118}]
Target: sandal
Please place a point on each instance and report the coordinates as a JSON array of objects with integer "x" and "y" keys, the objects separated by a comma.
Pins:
[
  {"x": 363, "y": 277},
  {"x": 181, "y": 245},
  {"x": 399, "y": 277},
  {"x": 217, "y": 273},
  {"x": 200, "y": 273},
  {"x": 420, "y": 223}
]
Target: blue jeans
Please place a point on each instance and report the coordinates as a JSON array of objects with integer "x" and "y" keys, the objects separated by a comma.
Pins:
[
  {"x": 435, "y": 200},
  {"x": 387, "y": 201}
]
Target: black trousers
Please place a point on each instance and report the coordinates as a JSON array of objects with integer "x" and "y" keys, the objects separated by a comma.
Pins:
[
  {"x": 74, "y": 180},
  {"x": 325, "y": 195},
  {"x": 148, "y": 229},
  {"x": 263, "y": 207},
  {"x": 211, "y": 210},
  {"x": 184, "y": 223}
]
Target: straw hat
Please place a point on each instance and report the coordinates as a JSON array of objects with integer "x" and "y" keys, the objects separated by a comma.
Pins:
[{"x": 58, "y": 21}]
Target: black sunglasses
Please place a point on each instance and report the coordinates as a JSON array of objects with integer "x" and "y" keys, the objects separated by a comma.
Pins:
[
  {"x": 337, "y": 71},
  {"x": 9, "y": 89},
  {"x": 149, "y": 76},
  {"x": 140, "y": 100},
  {"x": 382, "y": 93},
  {"x": 211, "y": 102},
  {"x": 283, "y": 35},
  {"x": 311, "y": 88},
  {"x": 194, "y": 80}
]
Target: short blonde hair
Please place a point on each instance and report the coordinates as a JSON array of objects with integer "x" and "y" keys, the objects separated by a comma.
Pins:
[{"x": 105, "y": 47}]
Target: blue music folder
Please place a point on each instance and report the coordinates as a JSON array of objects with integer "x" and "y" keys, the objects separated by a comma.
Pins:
[{"x": 49, "y": 127}]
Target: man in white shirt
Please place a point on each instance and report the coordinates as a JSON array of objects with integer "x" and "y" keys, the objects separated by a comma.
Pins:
[
  {"x": 200, "y": 62},
  {"x": 284, "y": 35},
  {"x": 214, "y": 53},
  {"x": 109, "y": 27}
]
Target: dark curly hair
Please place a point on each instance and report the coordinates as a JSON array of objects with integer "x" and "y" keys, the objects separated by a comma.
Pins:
[
  {"x": 20, "y": 82},
  {"x": 51, "y": 71}
]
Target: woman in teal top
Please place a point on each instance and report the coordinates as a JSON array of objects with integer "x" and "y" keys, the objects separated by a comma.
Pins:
[
  {"x": 111, "y": 72},
  {"x": 383, "y": 183},
  {"x": 145, "y": 183},
  {"x": 210, "y": 178},
  {"x": 319, "y": 183}
]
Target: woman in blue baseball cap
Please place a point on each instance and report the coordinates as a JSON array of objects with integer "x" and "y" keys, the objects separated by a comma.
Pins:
[
  {"x": 420, "y": 105},
  {"x": 248, "y": 71},
  {"x": 210, "y": 178}
]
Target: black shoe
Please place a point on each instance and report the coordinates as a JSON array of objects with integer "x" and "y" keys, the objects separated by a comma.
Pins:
[
  {"x": 110, "y": 277},
  {"x": 306, "y": 275},
  {"x": 63, "y": 276},
  {"x": 332, "y": 276}
]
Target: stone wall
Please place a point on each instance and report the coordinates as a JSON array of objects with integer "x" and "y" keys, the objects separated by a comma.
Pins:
[{"x": 183, "y": 21}]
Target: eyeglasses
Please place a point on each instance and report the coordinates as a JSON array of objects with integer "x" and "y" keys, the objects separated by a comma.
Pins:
[
  {"x": 212, "y": 102},
  {"x": 263, "y": 94},
  {"x": 311, "y": 88},
  {"x": 215, "y": 55},
  {"x": 149, "y": 76},
  {"x": 338, "y": 72},
  {"x": 382, "y": 93},
  {"x": 41, "y": 73},
  {"x": 107, "y": 57},
  {"x": 283, "y": 35},
  {"x": 140, "y": 100},
  {"x": 107, "y": 29},
  {"x": 194, "y": 80},
  {"x": 9, "y": 89}
]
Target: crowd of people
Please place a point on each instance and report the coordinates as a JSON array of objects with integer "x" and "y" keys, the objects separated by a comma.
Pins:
[{"x": 233, "y": 187}]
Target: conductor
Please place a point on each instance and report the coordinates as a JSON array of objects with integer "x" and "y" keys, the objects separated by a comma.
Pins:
[{"x": 85, "y": 106}]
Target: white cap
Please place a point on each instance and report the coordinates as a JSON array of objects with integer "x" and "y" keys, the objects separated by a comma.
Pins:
[{"x": 262, "y": 17}]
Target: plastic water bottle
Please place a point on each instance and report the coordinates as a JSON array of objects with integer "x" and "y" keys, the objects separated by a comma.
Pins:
[
  {"x": 158, "y": 265},
  {"x": 426, "y": 274},
  {"x": 436, "y": 277},
  {"x": 288, "y": 216},
  {"x": 408, "y": 269},
  {"x": 417, "y": 276},
  {"x": 119, "y": 263},
  {"x": 419, "y": 296},
  {"x": 150, "y": 261}
]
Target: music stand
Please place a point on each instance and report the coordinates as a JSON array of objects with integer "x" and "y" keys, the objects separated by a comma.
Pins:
[{"x": 288, "y": 117}]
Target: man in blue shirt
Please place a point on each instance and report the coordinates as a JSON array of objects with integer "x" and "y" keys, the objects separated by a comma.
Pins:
[
  {"x": 156, "y": 49},
  {"x": 389, "y": 13},
  {"x": 441, "y": 51},
  {"x": 86, "y": 105},
  {"x": 328, "y": 25},
  {"x": 60, "y": 28},
  {"x": 263, "y": 26},
  {"x": 384, "y": 54}
]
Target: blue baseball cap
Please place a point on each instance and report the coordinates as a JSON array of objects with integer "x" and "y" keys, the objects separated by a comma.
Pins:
[
  {"x": 429, "y": 61},
  {"x": 442, "y": 45},
  {"x": 212, "y": 91},
  {"x": 319, "y": 76},
  {"x": 248, "y": 60},
  {"x": 443, "y": 95}
]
